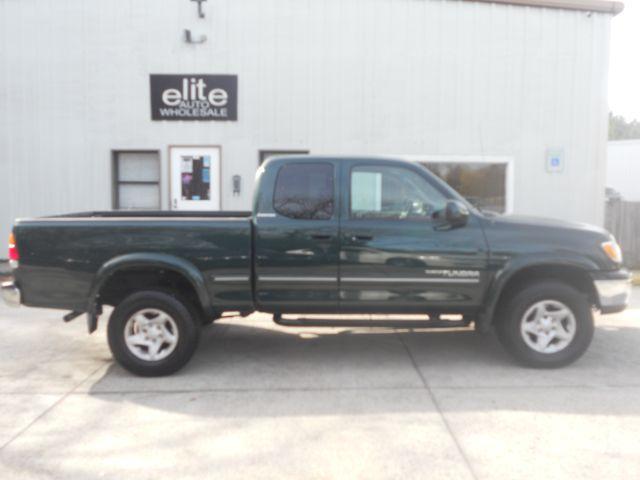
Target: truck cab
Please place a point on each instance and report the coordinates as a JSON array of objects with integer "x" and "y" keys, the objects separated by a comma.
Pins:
[{"x": 364, "y": 235}]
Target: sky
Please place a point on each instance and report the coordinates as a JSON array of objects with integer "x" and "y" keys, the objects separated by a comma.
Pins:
[{"x": 624, "y": 67}]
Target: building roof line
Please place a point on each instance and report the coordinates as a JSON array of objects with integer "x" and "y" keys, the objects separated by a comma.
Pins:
[{"x": 603, "y": 6}]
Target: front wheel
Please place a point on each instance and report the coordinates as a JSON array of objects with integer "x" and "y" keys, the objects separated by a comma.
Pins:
[
  {"x": 152, "y": 333},
  {"x": 546, "y": 325}
]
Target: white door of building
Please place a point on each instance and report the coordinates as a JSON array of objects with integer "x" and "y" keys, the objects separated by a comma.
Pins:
[{"x": 195, "y": 178}]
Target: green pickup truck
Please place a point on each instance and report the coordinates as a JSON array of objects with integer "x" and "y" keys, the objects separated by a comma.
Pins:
[{"x": 328, "y": 236}]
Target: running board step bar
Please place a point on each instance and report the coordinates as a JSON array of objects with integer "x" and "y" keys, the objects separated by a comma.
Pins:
[{"x": 436, "y": 322}]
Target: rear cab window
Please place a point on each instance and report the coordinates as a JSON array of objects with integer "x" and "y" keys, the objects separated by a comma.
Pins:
[{"x": 305, "y": 191}]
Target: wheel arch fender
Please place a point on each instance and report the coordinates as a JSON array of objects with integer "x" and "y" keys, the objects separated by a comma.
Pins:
[
  {"x": 153, "y": 260},
  {"x": 518, "y": 266}
]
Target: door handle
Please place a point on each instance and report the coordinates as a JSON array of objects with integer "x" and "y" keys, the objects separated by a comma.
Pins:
[
  {"x": 361, "y": 238},
  {"x": 320, "y": 236}
]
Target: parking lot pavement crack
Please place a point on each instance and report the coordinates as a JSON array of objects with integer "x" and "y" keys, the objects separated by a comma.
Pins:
[
  {"x": 182, "y": 391},
  {"x": 47, "y": 410},
  {"x": 543, "y": 386},
  {"x": 438, "y": 408}
]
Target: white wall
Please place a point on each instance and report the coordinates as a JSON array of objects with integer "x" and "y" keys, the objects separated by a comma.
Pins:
[
  {"x": 623, "y": 168},
  {"x": 416, "y": 77}
]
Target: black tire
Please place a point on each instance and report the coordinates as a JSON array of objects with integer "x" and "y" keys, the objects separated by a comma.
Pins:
[
  {"x": 508, "y": 325},
  {"x": 188, "y": 331}
]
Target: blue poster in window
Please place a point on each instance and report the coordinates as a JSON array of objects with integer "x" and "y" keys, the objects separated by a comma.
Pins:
[{"x": 196, "y": 177}]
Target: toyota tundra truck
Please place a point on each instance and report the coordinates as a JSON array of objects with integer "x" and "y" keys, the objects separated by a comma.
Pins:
[{"x": 377, "y": 237}]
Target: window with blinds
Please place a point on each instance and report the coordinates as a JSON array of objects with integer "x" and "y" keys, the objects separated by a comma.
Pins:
[{"x": 136, "y": 180}]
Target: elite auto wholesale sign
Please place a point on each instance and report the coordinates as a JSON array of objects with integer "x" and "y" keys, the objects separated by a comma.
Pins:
[{"x": 194, "y": 97}]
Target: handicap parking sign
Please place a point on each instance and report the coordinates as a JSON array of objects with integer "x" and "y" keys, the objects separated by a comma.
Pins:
[{"x": 555, "y": 160}]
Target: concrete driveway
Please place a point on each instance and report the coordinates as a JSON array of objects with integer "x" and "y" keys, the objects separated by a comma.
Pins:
[{"x": 264, "y": 401}]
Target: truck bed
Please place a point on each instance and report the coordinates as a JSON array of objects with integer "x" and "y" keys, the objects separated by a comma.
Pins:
[
  {"x": 60, "y": 256},
  {"x": 155, "y": 214}
]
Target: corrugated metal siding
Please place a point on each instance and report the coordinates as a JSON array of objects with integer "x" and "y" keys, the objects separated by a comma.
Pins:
[{"x": 426, "y": 77}]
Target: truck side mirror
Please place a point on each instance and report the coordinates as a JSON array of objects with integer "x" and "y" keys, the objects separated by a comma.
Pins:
[{"x": 456, "y": 213}]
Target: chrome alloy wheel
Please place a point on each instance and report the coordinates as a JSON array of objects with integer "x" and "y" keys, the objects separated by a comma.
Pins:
[
  {"x": 151, "y": 334},
  {"x": 548, "y": 326}
]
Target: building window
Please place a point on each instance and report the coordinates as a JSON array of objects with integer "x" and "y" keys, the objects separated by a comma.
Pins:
[
  {"x": 305, "y": 191},
  {"x": 485, "y": 181},
  {"x": 136, "y": 180},
  {"x": 482, "y": 184},
  {"x": 263, "y": 155}
]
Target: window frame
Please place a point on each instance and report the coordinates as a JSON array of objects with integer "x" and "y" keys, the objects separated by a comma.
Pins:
[
  {"x": 334, "y": 192},
  {"x": 116, "y": 182},
  {"x": 426, "y": 178}
]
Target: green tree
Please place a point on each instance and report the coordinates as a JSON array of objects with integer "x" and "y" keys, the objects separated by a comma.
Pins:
[{"x": 620, "y": 129}]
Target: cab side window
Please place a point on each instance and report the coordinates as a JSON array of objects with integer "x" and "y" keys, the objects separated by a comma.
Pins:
[
  {"x": 305, "y": 191},
  {"x": 392, "y": 193}
]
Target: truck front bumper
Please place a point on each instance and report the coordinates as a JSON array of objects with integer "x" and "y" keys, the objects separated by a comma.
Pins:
[
  {"x": 11, "y": 294},
  {"x": 613, "y": 289}
]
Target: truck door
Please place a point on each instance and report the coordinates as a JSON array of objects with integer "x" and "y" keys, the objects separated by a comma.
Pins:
[
  {"x": 296, "y": 237},
  {"x": 395, "y": 256}
]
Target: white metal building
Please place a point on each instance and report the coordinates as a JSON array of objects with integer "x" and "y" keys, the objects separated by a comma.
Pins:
[
  {"x": 506, "y": 99},
  {"x": 623, "y": 168}
]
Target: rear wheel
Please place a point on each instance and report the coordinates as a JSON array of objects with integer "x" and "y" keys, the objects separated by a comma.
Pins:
[
  {"x": 546, "y": 325},
  {"x": 152, "y": 333}
]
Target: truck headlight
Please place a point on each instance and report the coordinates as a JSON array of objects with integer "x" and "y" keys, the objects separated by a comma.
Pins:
[{"x": 612, "y": 250}]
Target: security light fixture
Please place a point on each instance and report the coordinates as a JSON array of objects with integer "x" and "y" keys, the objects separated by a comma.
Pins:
[{"x": 200, "y": 11}]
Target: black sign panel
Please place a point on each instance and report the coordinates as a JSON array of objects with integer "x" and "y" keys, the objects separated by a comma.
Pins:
[{"x": 194, "y": 97}]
